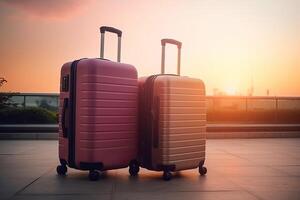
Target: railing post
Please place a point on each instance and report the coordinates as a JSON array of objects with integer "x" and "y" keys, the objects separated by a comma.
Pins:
[
  {"x": 247, "y": 116},
  {"x": 57, "y": 100},
  {"x": 24, "y": 103},
  {"x": 276, "y": 109}
]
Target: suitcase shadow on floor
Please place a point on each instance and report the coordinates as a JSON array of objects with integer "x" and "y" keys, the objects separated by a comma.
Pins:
[
  {"x": 84, "y": 176},
  {"x": 157, "y": 176},
  {"x": 148, "y": 176}
]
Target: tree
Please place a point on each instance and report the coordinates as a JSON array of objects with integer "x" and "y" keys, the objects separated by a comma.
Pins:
[
  {"x": 5, "y": 98},
  {"x": 2, "y": 81}
]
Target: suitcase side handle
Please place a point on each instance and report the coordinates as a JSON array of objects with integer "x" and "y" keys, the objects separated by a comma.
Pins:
[
  {"x": 156, "y": 123},
  {"x": 63, "y": 118},
  {"x": 163, "y": 44},
  {"x": 103, "y": 29}
]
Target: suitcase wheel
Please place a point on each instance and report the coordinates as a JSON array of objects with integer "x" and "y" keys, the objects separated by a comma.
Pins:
[
  {"x": 61, "y": 169},
  {"x": 134, "y": 169},
  {"x": 202, "y": 170},
  {"x": 167, "y": 175},
  {"x": 94, "y": 175}
]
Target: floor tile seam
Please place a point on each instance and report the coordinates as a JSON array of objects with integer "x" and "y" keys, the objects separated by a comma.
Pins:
[
  {"x": 263, "y": 176},
  {"x": 25, "y": 187},
  {"x": 280, "y": 171},
  {"x": 252, "y": 193},
  {"x": 235, "y": 155},
  {"x": 59, "y": 194},
  {"x": 257, "y": 196},
  {"x": 242, "y": 188},
  {"x": 292, "y": 165},
  {"x": 113, "y": 188},
  {"x": 182, "y": 191},
  {"x": 249, "y": 160}
]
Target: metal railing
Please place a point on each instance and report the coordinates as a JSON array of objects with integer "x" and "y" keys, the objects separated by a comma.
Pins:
[
  {"x": 236, "y": 109},
  {"x": 48, "y": 101},
  {"x": 253, "y": 103},
  {"x": 239, "y": 109}
]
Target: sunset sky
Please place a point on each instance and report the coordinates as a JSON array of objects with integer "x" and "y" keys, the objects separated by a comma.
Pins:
[{"x": 227, "y": 43}]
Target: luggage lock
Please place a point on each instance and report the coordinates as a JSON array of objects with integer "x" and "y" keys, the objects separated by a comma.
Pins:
[{"x": 65, "y": 83}]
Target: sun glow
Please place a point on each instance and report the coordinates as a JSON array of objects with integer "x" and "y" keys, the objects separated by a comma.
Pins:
[{"x": 230, "y": 91}]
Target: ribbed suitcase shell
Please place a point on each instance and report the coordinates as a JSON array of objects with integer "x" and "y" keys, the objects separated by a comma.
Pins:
[
  {"x": 173, "y": 129},
  {"x": 105, "y": 119}
]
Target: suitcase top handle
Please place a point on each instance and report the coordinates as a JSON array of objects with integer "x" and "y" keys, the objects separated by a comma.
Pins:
[
  {"x": 103, "y": 29},
  {"x": 178, "y": 44}
]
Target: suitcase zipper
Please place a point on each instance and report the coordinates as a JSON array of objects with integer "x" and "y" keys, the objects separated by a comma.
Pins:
[
  {"x": 72, "y": 114},
  {"x": 147, "y": 124},
  {"x": 149, "y": 129}
]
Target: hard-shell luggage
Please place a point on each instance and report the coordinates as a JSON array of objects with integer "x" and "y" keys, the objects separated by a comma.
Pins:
[
  {"x": 98, "y": 114},
  {"x": 172, "y": 122}
]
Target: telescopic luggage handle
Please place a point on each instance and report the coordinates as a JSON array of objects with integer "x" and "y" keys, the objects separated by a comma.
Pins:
[
  {"x": 63, "y": 118},
  {"x": 178, "y": 44},
  {"x": 103, "y": 29}
]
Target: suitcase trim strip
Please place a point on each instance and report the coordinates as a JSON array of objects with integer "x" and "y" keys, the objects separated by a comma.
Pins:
[{"x": 72, "y": 115}]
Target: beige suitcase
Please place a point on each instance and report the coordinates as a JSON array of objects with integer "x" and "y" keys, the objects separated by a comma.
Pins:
[{"x": 172, "y": 122}]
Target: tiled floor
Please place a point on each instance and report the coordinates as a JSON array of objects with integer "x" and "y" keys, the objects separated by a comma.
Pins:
[{"x": 237, "y": 169}]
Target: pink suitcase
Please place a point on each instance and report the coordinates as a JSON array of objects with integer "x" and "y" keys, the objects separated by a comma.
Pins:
[
  {"x": 98, "y": 114},
  {"x": 172, "y": 121}
]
